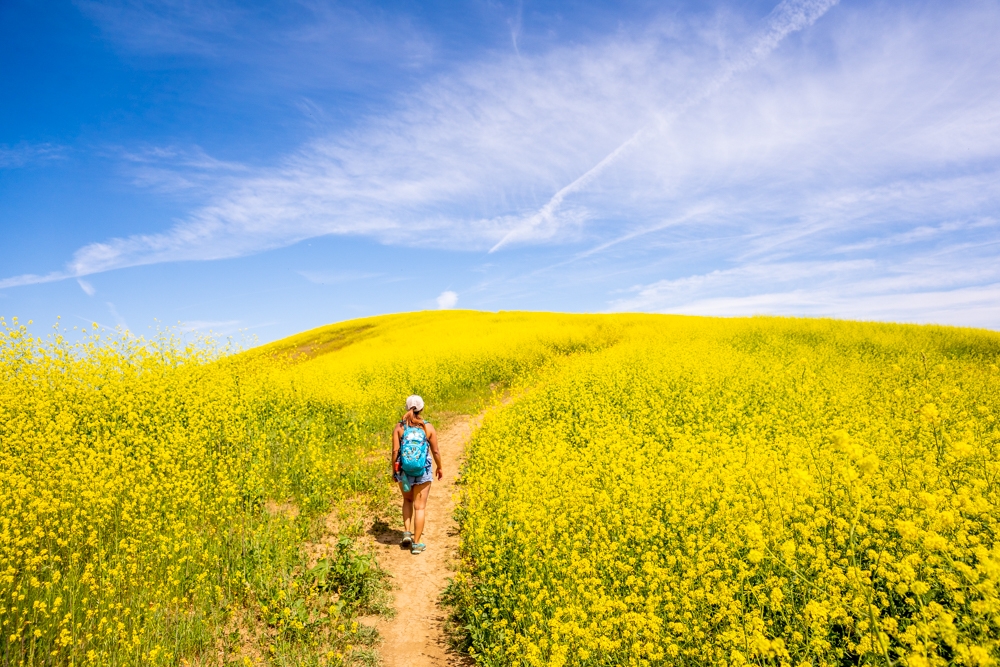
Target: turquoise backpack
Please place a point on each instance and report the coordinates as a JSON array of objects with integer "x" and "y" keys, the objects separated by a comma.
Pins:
[{"x": 413, "y": 450}]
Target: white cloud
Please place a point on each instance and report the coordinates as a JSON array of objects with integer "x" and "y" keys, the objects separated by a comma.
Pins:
[
  {"x": 459, "y": 164},
  {"x": 447, "y": 299},
  {"x": 119, "y": 320},
  {"x": 336, "y": 277},
  {"x": 221, "y": 327},
  {"x": 24, "y": 154},
  {"x": 977, "y": 306},
  {"x": 33, "y": 279},
  {"x": 87, "y": 288},
  {"x": 953, "y": 285},
  {"x": 330, "y": 38},
  {"x": 788, "y": 17},
  {"x": 181, "y": 171},
  {"x": 845, "y": 153}
]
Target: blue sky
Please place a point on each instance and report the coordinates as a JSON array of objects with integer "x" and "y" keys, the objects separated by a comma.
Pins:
[{"x": 267, "y": 168}]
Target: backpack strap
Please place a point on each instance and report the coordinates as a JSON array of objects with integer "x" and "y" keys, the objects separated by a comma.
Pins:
[{"x": 402, "y": 422}]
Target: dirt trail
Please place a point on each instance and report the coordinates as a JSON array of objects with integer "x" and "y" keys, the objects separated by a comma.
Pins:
[{"x": 415, "y": 637}]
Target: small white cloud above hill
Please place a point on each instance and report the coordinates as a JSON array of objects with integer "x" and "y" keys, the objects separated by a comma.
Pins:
[{"x": 447, "y": 299}]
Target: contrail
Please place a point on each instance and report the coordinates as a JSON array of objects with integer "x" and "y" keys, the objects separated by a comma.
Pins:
[{"x": 788, "y": 17}]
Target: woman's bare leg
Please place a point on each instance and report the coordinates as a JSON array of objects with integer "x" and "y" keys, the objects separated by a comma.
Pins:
[
  {"x": 407, "y": 508},
  {"x": 420, "y": 494}
]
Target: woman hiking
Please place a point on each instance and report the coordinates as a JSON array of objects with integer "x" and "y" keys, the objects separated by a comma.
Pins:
[{"x": 413, "y": 443}]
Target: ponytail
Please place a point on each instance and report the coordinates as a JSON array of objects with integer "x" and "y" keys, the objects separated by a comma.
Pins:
[{"x": 412, "y": 418}]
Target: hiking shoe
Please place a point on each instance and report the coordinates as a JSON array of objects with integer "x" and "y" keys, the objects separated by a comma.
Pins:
[
  {"x": 407, "y": 539},
  {"x": 418, "y": 548}
]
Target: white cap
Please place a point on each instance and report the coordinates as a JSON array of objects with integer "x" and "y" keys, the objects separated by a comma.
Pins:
[{"x": 414, "y": 402}]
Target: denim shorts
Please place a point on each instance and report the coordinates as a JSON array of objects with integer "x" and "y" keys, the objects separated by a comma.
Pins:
[{"x": 420, "y": 479}]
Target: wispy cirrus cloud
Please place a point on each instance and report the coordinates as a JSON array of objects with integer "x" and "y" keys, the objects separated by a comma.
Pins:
[
  {"x": 87, "y": 288},
  {"x": 788, "y": 17},
  {"x": 119, "y": 320},
  {"x": 974, "y": 306},
  {"x": 954, "y": 283},
  {"x": 337, "y": 277},
  {"x": 209, "y": 326},
  {"x": 24, "y": 154},
  {"x": 841, "y": 143},
  {"x": 34, "y": 279},
  {"x": 288, "y": 46},
  {"x": 175, "y": 170},
  {"x": 464, "y": 158}
]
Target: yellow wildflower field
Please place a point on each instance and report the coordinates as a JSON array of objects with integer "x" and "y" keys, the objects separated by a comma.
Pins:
[
  {"x": 155, "y": 494},
  {"x": 729, "y": 492},
  {"x": 653, "y": 490}
]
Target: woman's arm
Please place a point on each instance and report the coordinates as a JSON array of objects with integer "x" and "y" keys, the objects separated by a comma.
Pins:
[
  {"x": 395, "y": 447},
  {"x": 433, "y": 439}
]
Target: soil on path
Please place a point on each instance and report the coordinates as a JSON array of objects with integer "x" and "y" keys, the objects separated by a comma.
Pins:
[{"x": 415, "y": 636}]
